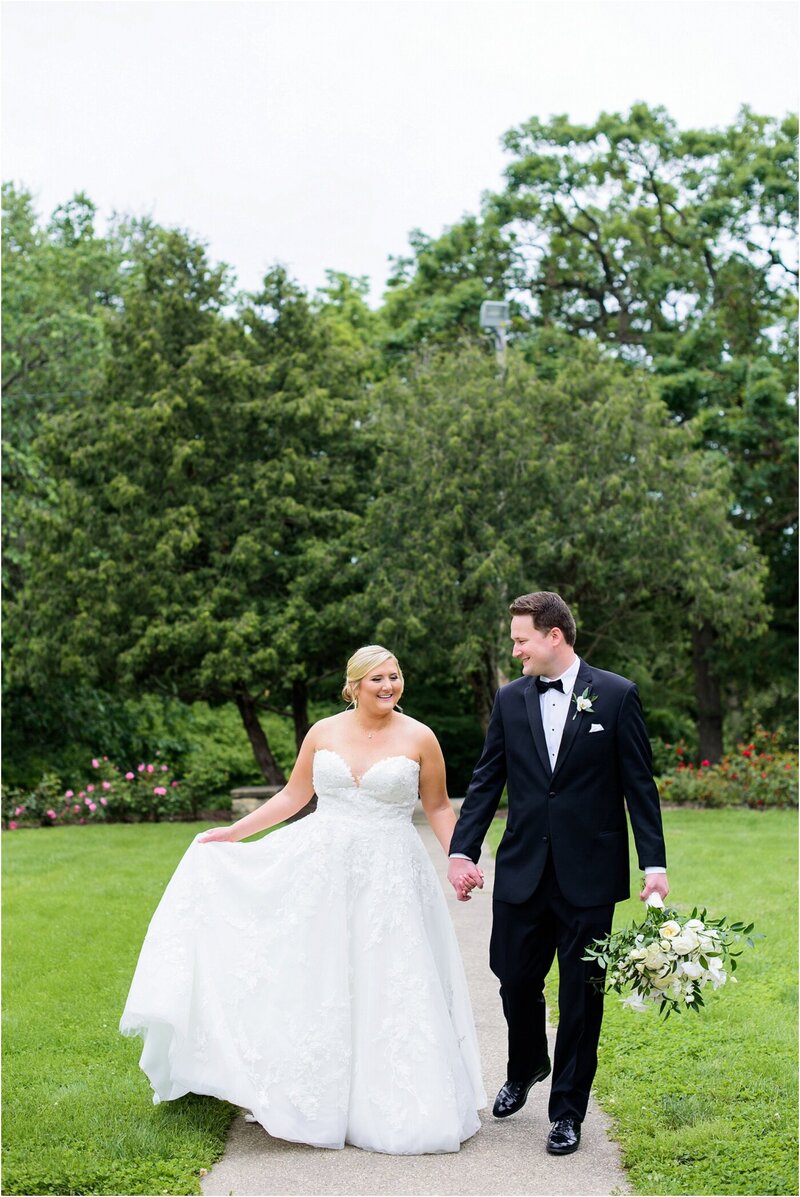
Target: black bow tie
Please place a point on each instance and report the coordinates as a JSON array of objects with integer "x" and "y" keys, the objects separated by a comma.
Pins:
[{"x": 542, "y": 686}]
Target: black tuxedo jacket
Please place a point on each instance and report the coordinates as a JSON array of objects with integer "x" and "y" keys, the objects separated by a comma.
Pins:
[{"x": 576, "y": 812}]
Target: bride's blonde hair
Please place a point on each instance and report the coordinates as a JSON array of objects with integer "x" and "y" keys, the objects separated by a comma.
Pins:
[{"x": 362, "y": 662}]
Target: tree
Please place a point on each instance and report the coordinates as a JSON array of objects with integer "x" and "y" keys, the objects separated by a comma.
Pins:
[
  {"x": 435, "y": 294},
  {"x": 636, "y": 232},
  {"x": 60, "y": 281},
  {"x": 680, "y": 249},
  {"x": 676, "y": 249},
  {"x": 203, "y": 490},
  {"x": 492, "y": 487}
]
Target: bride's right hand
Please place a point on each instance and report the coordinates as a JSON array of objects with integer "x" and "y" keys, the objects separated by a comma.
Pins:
[{"x": 216, "y": 835}]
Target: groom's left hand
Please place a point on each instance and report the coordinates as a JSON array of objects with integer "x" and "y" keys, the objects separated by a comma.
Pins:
[
  {"x": 655, "y": 883},
  {"x": 464, "y": 876}
]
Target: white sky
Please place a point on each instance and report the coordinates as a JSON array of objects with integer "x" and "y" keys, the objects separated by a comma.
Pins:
[{"x": 317, "y": 133}]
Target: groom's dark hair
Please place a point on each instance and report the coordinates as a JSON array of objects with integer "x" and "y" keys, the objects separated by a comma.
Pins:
[{"x": 547, "y": 610}]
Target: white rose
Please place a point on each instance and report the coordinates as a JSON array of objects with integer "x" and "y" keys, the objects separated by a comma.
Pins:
[
  {"x": 685, "y": 943},
  {"x": 669, "y": 929},
  {"x": 716, "y": 973},
  {"x": 637, "y": 954},
  {"x": 583, "y": 704},
  {"x": 655, "y": 900},
  {"x": 695, "y": 925},
  {"x": 654, "y": 958},
  {"x": 635, "y": 1001},
  {"x": 690, "y": 968}
]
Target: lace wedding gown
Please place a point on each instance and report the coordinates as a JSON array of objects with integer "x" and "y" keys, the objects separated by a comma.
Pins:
[{"x": 314, "y": 977}]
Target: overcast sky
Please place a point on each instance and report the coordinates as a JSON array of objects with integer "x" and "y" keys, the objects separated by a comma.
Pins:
[{"x": 318, "y": 133}]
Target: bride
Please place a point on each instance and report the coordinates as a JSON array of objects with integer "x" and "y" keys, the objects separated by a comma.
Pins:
[{"x": 313, "y": 976}]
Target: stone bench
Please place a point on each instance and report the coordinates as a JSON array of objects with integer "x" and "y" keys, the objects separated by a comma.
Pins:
[{"x": 247, "y": 798}]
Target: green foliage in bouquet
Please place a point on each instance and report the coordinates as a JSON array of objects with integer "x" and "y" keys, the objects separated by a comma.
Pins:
[{"x": 669, "y": 959}]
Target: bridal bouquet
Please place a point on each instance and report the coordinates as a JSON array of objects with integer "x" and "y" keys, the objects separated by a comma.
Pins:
[{"x": 668, "y": 959}]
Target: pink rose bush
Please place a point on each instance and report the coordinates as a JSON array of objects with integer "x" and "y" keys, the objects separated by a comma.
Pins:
[{"x": 113, "y": 795}]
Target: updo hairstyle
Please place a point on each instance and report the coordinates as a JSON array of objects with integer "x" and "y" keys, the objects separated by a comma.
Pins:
[{"x": 362, "y": 662}]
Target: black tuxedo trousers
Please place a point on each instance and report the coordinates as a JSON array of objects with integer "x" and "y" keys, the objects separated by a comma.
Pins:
[
  {"x": 563, "y": 861},
  {"x": 526, "y": 937}
]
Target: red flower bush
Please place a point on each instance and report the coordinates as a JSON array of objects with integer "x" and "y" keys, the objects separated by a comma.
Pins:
[{"x": 757, "y": 775}]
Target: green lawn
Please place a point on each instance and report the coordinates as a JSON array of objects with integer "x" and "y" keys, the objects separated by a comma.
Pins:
[
  {"x": 707, "y": 1103},
  {"x": 702, "y": 1104},
  {"x": 78, "y": 1113}
]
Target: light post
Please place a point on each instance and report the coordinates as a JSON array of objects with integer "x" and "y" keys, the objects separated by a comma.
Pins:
[{"x": 494, "y": 319}]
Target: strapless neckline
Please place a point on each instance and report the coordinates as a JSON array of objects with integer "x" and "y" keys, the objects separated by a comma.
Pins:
[{"x": 358, "y": 779}]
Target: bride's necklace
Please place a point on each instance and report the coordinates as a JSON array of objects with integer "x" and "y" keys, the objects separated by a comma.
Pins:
[{"x": 369, "y": 734}]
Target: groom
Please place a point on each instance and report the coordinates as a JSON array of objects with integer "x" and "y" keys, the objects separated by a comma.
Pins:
[{"x": 570, "y": 743}]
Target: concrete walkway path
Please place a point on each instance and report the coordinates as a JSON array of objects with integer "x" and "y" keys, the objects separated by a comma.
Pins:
[{"x": 504, "y": 1157}]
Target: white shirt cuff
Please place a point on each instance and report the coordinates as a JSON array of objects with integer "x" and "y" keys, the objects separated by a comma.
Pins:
[
  {"x": 655, "y": 869},
  {"x": 461, "y": 856}
]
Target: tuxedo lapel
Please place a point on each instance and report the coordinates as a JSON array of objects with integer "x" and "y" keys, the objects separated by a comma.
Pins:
[
  {"x": 575, "y": 719},
  {"x": 534, "y": 709}
]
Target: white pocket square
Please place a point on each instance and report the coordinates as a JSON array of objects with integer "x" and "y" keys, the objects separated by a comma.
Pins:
[{"x": 596, "y": 727}]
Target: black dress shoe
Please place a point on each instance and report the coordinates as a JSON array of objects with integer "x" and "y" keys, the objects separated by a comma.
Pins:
[
  {"x": 514, "y": 1094},
  {"x": 564, "y": 1137}
]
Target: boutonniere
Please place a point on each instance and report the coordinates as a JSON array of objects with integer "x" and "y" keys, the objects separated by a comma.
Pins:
[{"x": 583, "y": 702}]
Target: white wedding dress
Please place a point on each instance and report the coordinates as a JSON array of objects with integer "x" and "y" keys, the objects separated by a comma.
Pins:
[{"x": 314, "y": 977}]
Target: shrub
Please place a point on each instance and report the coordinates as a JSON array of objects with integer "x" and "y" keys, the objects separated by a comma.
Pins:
[
  {"x": 221, "y": 758},
  {"x": 208, "y": 784},
  {"x": 664, "y": 755},
  {"x": 39, "y": 805},
  {"x": 757, "y": 774},
  {"x": 145, "y": 793}
]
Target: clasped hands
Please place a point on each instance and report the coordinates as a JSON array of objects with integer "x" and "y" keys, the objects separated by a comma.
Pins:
[{"x": 464, "y": 876}]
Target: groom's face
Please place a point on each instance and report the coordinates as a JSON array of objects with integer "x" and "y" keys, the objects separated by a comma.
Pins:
[{"x": 535, "y": 650}]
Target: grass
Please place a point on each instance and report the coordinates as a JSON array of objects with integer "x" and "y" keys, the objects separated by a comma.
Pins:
[
  {"x": 703, "y": 1104},
  {"x": 707, "y": 1103},
  {"x": 78, "y": 1113}
]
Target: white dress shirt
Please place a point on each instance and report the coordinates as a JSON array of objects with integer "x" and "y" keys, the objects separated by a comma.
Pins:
[{"x": 555, "y": 707}]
